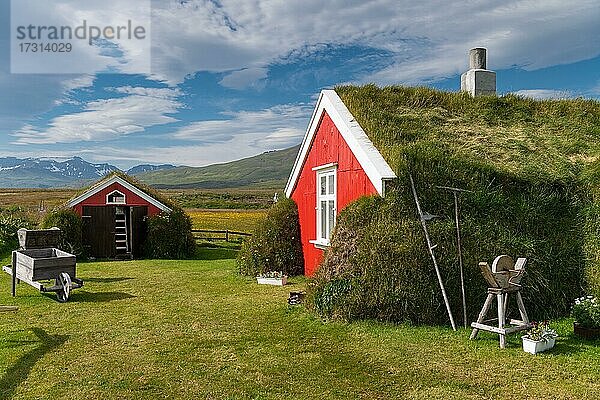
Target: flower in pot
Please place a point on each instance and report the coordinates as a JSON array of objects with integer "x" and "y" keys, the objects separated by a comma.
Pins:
[
  {"x": 540, "y": 337},
  {"x": 272, "y": 278},
  {"x": 586, "y": 313}
]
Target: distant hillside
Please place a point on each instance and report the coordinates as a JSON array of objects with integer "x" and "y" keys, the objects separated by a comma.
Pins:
[
  {"x": 140, "y": 169},
  {"x": 267, "y": 170}
]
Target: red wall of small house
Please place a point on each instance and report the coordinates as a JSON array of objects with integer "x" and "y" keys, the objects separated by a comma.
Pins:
[
  {"x": 352, "y": 182},
  {"x": 131, "y": 199}
]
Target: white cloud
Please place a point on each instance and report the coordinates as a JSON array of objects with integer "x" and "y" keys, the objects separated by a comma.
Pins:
[
  {"x": 243, "y": 38},
  {"x": 107, "y": 119},
  {"x": 524, "y": 33},
  {"x": 202, "y": 143},
  {"x": 544, "y": 94},
  {"x": 430, "y": 39},
  {"x": 79, "y": 82},
  {"x": 161, "y": 93},
  {"x": 283, "y": 124},
  {"x": 595, "y": 91},
  {"x": 244, "y": 78},
  {"x": 191, "y": 155}
]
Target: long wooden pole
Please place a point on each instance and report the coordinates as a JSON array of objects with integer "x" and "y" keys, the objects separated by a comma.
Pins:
[
  {"x": 14, "y": 273},
  {"x": 460, "y": 258},
  {"x": 430, "y": 247},
  {"x": 456, "y": 191}
]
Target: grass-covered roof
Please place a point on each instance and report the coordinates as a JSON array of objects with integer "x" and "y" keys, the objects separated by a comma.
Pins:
[
  {"x": 150, "y": 191},
  {"x": 549, "y": 140}
]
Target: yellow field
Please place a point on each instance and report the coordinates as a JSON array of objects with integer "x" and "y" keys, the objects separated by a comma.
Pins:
[
  {"x": 234, "y": 220},
  {"x": 34, "y": 199}
]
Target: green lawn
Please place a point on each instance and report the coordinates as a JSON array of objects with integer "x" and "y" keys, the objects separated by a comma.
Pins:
[{"x": 193, "y": 329}]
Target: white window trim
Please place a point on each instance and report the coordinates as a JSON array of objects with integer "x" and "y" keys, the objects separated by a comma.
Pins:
[
  {"x": 325, "y": 166},
  {"x": 327, "y": 170},
  {"x": 112, "y": 202}
]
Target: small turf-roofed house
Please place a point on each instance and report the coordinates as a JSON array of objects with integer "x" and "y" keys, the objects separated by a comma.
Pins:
[
  {"x": 114, "y": 212},
  {"x": 336, "y": 164},
  {"x": 530, "y": 168}
]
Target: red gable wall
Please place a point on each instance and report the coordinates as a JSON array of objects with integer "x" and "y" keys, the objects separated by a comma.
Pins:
[
  {"x": 132, "y": 199},
  {"x": 352, "y": 182}
]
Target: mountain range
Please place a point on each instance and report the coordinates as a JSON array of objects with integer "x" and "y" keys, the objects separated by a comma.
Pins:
[
  {"x": 47, "y": 173},
  {"x": 267, "y": 170}
]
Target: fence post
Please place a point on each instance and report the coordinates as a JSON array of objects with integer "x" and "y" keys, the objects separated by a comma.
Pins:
[{"x": 227, "y": 235}]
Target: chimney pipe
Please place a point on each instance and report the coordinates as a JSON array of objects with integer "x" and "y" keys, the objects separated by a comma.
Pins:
[
  {"x": 478, "y": 80},
  {"x": 478, "y": 58}
]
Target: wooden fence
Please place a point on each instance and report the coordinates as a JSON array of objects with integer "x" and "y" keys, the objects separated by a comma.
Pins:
[{"x": 216, "y": 235}]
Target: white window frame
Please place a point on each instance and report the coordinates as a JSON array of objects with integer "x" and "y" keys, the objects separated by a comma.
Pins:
[
  {"x": 328, "y": 171},
  {"x": 115, "y": 202}
]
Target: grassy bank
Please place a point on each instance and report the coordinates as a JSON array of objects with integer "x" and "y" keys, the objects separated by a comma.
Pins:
[{"x": 193, "y": 329}]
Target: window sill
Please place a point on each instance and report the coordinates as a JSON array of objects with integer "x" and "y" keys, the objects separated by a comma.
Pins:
[{"x": 319, "y": 244}]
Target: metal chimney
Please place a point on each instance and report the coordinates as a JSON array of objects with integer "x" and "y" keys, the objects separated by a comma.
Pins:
[{"x": 478, "y": 80}]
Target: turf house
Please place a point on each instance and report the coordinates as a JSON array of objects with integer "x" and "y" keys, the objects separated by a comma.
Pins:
[
  {"x": 114, "y": 212},
  {"x": 531, "y": 167}
]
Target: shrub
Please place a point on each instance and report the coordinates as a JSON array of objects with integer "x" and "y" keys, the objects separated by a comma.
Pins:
[
  {"x": 586, "y": 312},
  {"x": 170, "y": 236},
  {"x": 70, "y": 225},
  {"x": 275, "y": 244},
  {"x": 10, "y": 223}
]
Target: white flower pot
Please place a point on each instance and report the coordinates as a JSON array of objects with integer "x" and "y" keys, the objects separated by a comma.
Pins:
[
  {"x": 537, "y": 346},
  {"x": 272, "y": 281}
]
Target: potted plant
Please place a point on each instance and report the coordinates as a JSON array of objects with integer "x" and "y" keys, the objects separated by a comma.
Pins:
[
  {"x": 276, "y": 278},
  {"x": 539, "y": 338},
  {"x": 586, "y": 313}
]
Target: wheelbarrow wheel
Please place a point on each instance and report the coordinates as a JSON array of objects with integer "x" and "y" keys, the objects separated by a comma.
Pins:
[{"x": 64, "y": 283}]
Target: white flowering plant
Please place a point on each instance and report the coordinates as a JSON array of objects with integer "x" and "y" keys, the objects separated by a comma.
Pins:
[
  {"x": 272, "y": 274},
  {"x": 586, "y": 312},
  {"x": 541, "y": 331}
]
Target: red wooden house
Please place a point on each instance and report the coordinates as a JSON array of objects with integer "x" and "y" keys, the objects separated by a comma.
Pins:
[
  {"x": 336, "y": 165},
  {"x": 114, "y": 212}
]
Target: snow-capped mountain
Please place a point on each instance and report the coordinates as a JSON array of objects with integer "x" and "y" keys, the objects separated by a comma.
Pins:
[{"x": 43, "y": 173}]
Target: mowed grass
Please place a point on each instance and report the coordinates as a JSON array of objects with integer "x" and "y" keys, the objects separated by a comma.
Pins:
[
  {"x": 234, "y": 220},
  {"x": 195, "y": 330}
]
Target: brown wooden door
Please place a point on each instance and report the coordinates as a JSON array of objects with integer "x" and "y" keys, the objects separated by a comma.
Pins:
[
  {"x": 99, "y": 231},
  {"x": 138, "y": 230}
]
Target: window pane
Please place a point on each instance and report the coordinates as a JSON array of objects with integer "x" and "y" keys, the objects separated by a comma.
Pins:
[
  {"x": 323, "y": 185},
  {"x": 324, "y": 234},
  {"x": 332, "y": 184},
  {"x": 331, "y": 210}
]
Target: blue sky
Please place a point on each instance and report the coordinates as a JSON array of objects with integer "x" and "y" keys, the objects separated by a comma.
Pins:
[{"x": 234, "y": 78}]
